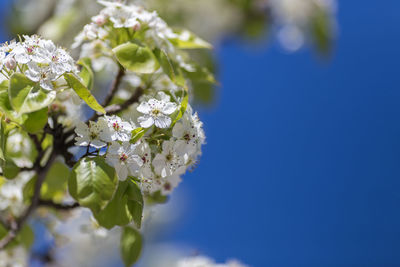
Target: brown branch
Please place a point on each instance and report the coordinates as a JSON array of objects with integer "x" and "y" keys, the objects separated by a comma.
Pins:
[
  {"x": 114, "y": 87},
  {"x": 57, "y": 149},
  {"x": 114, "y": 109},
  {"x": 113, "y": 90},
  {"x": 57, "y": 206},
  {"x": 16, "y": 227}
]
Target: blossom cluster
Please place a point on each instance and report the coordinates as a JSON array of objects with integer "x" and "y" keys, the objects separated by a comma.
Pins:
[
  {"x": 134, "y": 18},
  {"x": 11, "y": 194},
  {"x": 14, "y": 257},
  {"x": 157, "y": 165},
  {"x": 39, "y": 59}
]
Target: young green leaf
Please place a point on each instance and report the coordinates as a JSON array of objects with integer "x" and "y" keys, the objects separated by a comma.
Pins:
[
  {"x": 188, "y": 40},
  {"x": 136, "y": 58},
  {"x": 131, "y": 245},
  {"x": 2, "y": 140},
  {"x": 137, "y": 134},
  {"x": 170, "y": 68},
  {"x": 83, "y": 92},
  {"x": 36, "y": 121},
  {"x": 125, "y": 207},
  {"x": 86, "y": 72},
  {"x": 7, "y": 110},
  {"x": 10, "y": 170},
  {"x": 55, "y": 184},
  {"x": 182, "y": 110},
  {"x": 92, "y": 183},
  {"x": 27, "y": 96}
]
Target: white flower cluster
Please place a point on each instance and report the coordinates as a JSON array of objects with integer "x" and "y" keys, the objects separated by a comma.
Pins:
[
  {"x": 117, "y": 15},
  {"x": 11, "y": 194},
  {"x": 40, "y": 60},
  {"x": 201, "y": 261},
  {"x": 14, "y": 257},
  {"x": 157, "y": 166}
]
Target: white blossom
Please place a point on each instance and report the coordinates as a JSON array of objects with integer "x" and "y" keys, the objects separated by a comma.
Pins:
[
  {"x": 94, "y": 134},
  {"x": 156, "y": 113},
  {"x": 123, "y": 159},
  {"x": 11, "y": 194},
  {"x": 14, "y": 257},
  {"x": 43, "y": 75},
  {"x": 144, "y": 152},
  {"x": 119, "y": 130},
  {"x": 168, "y": 162},
  {"x": 189, "y": 134}
]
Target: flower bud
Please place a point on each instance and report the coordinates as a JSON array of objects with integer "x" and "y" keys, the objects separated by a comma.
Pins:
[
  {"x": 10, "y": 63},
  {"x": 100, "y": 20},
  {"x": 136, "y": 27}
]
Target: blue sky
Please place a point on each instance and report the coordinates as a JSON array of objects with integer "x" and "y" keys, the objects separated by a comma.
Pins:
[
  {"x": 301, "y": 166},
  {"x": 302, "y": 162}
]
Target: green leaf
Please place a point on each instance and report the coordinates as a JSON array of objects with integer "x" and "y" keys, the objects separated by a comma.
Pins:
[
  {"x": 27, "y": 191},
  {"x": 27, "y": 96},
  {"x": 156, "y": 198},
  {"x": 36, "y": 121},
  {"x": 203, "y": 83},
  {"x": 322, "y": 31},
  {"x": 26, "y": 237},
  {"x": 7, "y": 110},
  {"x": 136, "y": 58},
  {"x": 125, "y": 207},
  {"x": 55, "y": 184},
  {"x": 137, "y": 134},
  {"x": 170, "y": 68},
  {"x": 4, "y": 85},
  {"x": 92, "y": 183},
  {"x": 182, "y": 110},
  {"x": 10, "y": 170},
  {"x": 86, "y": 72},
  {"x": 83, "y": 92},
  {"x": 2, "y": 140},
  {"x": 131, "y": 245},
  {"x": 188, "y": 40}
]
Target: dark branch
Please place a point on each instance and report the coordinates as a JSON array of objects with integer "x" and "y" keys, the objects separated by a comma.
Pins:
[
  {"x": 57, "y": 149},
  {"x": 113, "y": 90},
  {"x": 17, "y": 226},
  {"x": 57, "y": 206},
  {"x": 114, "y": 109},
  {"x": 114, "y": 87}
]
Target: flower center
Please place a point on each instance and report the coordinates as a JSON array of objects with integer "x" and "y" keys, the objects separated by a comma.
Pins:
[
  {"x": 116, "y": 126},
  {"x": 30, "y": 50},
  {"x": 123, "y": 157},
  {"x": 186, "y": 137},
  {"x": 167, "y": 186},
  {"x": 155, "y": 112},
  {"x": 93, "y": 135},
  {"x": 169, "y": 157}
]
